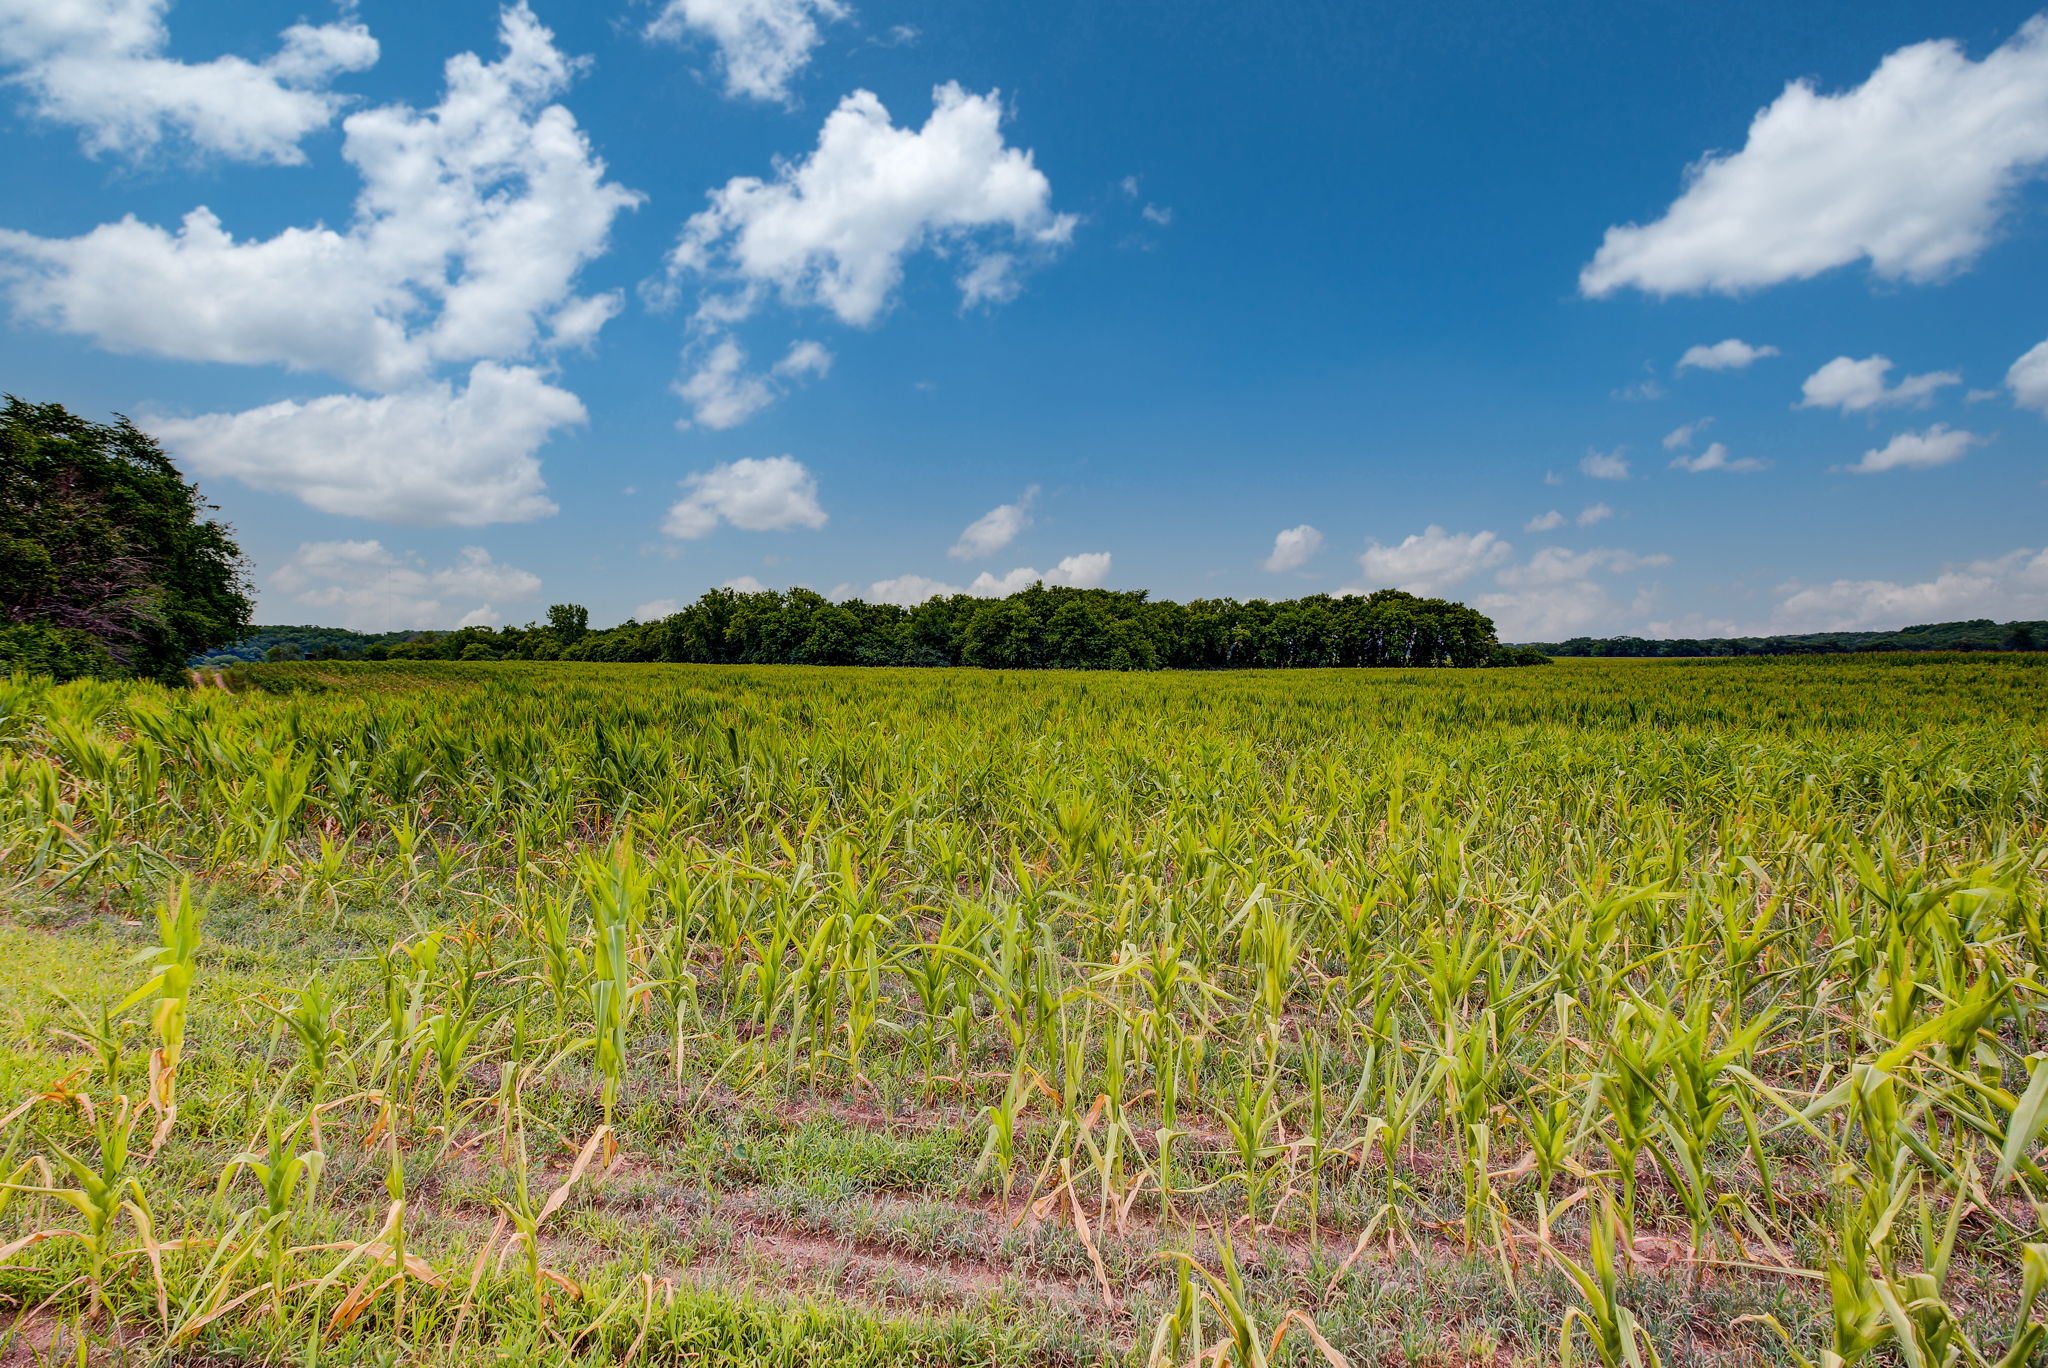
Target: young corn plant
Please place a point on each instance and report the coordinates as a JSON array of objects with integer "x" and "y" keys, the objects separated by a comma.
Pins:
[
  {"x": 287, "y": 1172},
  {"x": 104, "y": 1191},
  {"x": 311, "y": 1022},
  {"x": 1245, "y": 1344},
  {"x": 1618, "y": 1339},
  {"x": 176, "y": 959}
]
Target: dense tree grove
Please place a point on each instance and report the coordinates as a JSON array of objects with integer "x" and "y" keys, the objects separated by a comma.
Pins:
[
  {"x": 1038, "y": 628},
  {"x": 108, "y": 562},
  {"x": 1977, "y": 634}
]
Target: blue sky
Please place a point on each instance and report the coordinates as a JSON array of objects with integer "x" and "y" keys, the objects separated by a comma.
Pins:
[{"x": 458, "y": 310}]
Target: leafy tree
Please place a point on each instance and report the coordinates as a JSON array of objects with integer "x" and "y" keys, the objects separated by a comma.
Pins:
[
  {"x": 100, "y": 534},
  {"x": 568, "y": 621},
  {"x": 64, "y": 652}
]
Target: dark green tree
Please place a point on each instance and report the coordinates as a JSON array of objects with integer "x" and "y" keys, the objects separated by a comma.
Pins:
[
  {"x": 568, "y": 621},
  {"x": 100, "y": 535}
]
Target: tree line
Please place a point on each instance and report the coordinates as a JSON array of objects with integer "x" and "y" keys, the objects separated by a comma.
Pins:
[
  {"x": 1042, "y": 627},
  {"x": 1976, "y": 634}
]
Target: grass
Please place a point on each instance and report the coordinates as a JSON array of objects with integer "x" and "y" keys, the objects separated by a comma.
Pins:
[{"x": 1617, "y": 1012}]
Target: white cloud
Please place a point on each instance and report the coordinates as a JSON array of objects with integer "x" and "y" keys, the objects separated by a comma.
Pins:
[
  {"x": 754, "y": 494},
  {"x": 1854, "y": 386},
  {"x": 1940, "y": 445},
  {"x": 2001, "y": 587},
  {"x": 762, "y": 44},
  {"x": 1573, "y": 608},
  {"x": 1085, "y": 571},
  {"x": 428, "y": 456},
  {"x": 803, "y": 360},
  {"x": 1594, "y": 513},
  {"x": 473, "y": 220},
  {"x": 907, "y": 591},
  {"x": 1156, "y": 214},
  {"x": 1715, "y": 457},
  {"x": 1731, "y": 354},
  {"x": 1544, "y": 522},
  {"x": 1913, "y": 170},
  {"x": 995, "y": 529},
  {"x": 994, "y": 279},
  {"x": 1555, "y": 593},
  {"x": 833, "y": 230},
  {"x": 744, "y": 584},
  {"x": 366, "y": 586},
  {"x": 2028, "y": 379},
  {"x": 654, "y": 610},
  {"x": 1292, "y": 548},
  {"x": 1431, "y": 561},
  {"x": 723, "y": 393},
  {"x": 1680, "y": 438},
  {"x": 1605, "y": 465},
  {"x": 99, "y": 65},
  {"x": 1554, "y": 565}
]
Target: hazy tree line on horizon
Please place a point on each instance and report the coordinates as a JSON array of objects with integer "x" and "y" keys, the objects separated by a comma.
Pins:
[{"x": 1975, "y": 634}]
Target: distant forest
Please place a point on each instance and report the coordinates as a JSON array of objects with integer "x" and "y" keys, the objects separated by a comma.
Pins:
[
  {"x": 1978, "y": 634},
  {"x": 1036, "y": 628}
]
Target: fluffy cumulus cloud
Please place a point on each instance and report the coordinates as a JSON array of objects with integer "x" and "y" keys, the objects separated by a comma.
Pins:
[
  {"x": 654, "y": 610},
  {"x": 2028, "y": 379},
  {"x": 438, "y": 455},
  {"x": 1554, "y": 593},
  {"x": 1554, "y": 565},
  {"x": 1292, "y": 548},
  {"x": 1605, "y": 465},
  {"x": 1431, "y": 561},
  {"x": 1854, "y": 386},
  {"x": 1085, "y": 571},
  {"x": 99, "y": 65},
  {"x": 762, "y": 44},
  {"x": 1716, "y": 457},
  {"x": 993, "y": 530},
  {"x": 1940, "y": 445},
  {"x": 833, "y": 229},
  {"x": 1594, "y": 513},
  {"x": 367, "y": 586},
  {"x": 2001, "y": 587},
  {"x": 1913, "y": 170},
  {"x": 473, "y": 221},
  {"x": 1544, "y": 522},
  {"x": 1559, "y": 593},
  {"x": 723, "y": 393},
  {"x": 756, "y": 494},
  {"x": 1730, "y": 354},
  {"x": 474, "y": 218}
]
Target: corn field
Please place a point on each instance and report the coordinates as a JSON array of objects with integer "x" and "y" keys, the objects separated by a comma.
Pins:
[{"x": 1618, "y": 1013}]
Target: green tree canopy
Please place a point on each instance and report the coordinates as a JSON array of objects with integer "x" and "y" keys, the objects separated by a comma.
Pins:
[{"x": 101, "y": 537}]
